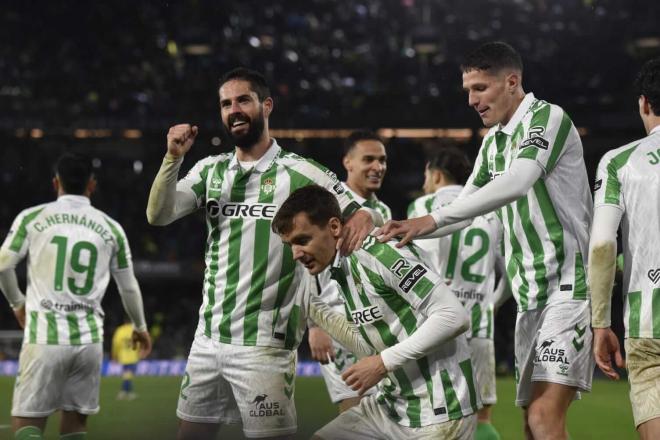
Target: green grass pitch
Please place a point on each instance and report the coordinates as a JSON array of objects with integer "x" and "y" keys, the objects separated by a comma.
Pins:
[{"x": 603, "y": 414}]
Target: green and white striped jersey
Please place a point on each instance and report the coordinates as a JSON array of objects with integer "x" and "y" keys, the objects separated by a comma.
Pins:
[
  {"x": 421, "y": 206},
  {"x": 72, "y": 249},
  {"x": 467, "y": 260},
  {"x": 386, "y": 293},
  {"x": 329, "y": 289},
  {"x": 547, "y": 230},
  {"x": 373, "y": 202},
  {"x": 250, "y": 277},
  {"x": 629, "y": 179}
]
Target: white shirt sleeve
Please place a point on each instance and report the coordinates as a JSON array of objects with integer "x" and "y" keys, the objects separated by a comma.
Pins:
[
  {"x": 131, "y": 297},
  {"x": 446, "y": 319},
  {"x": 602, "y": 262},
  {"x": 169, "y": 201},
  {"x": 505, "y": 189}
]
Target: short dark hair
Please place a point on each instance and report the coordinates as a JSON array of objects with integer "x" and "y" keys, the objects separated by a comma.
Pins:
[
  {"x": 360, "y": 135},
  {"x": 317, "y": 202},
  {"x": 74, "y": 171},
  {"x": 257, "y": 81},
  {"x": 493, "y": 56},
  {"x": 648, "y": 84},
  {"x": 453, "y": 162}
]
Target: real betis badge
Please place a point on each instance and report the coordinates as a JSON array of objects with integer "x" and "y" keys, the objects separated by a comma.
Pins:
[{"x": 267, "y": 187}]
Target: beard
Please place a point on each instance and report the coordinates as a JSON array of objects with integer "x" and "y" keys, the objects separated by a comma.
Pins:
[{"x": 248, "y": 139}]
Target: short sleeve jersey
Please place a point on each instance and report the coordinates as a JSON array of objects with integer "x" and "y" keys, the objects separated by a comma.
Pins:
[
  {"x": 629, "y": 179},
  {"x": 546, "y": 231},
  {"x": 72, "y": 249}
]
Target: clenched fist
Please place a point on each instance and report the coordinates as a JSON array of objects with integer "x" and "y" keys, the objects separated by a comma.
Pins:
[{"x": 180, "y": 138}]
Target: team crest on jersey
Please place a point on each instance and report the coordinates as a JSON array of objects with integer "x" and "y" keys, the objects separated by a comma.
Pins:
[
  {"x": 267, "y": 187},
  {"x": 215, "y": 184}
]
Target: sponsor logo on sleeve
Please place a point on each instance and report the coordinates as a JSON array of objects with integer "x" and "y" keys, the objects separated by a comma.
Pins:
[
  {"x": 338, "y": 188},
  {"x": 598, "y": 184},
  {"x": 412, "y": 277},
  {"x": 535, "y": 138}
]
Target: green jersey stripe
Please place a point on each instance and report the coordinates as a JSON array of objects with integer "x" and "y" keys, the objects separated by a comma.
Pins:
[
  {"x": 428, "y": 204},
  {"x": 21, "y": 233},
  {"x": 500, "y": 143},
  {"x": 536, "y": 246},
  {"x": 453, "y": 255},
  {"x": 261, "y": 257},
  {"x": 233, "y": 259},
  {"x": 560, "y": 141},
  {"x": 122, "y": 260},
  {"x": 287, "y": 274},
  {"x": 93, "y": 328},
  {"x": 655, "y": 311},
  {"x": 74, "y": 329},
  {"x": 51, "y": 328},
  {"x": 476, "y": 319},
  {"x": 552, "y": 223},
  {"x": 394, "y": 301},
  {"x": 423, "y": 364},
  {"x": 634, "y": 307},
  {"x": 290, "y": 340},
  {"x": 199, "y": 188},
  {"x": 453, "y": 404},
  {"x": 580, "y": 287},
  {"x": 466, "y": 367},
  {"x": 489, "y": 324},
  {"x": 516, "y": 264},
  {"x": 483, "y": 176},
  {"x": 414, "y": 409},
  {"x": 339, "y": 276},
  {"x": 539, "y": 119},
  {"x": 34, "y": 318},
  {"x": 613, "y": 184}
]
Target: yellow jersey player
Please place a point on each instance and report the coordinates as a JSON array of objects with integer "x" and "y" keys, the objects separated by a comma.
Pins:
[{"x": 125, "y": 352}]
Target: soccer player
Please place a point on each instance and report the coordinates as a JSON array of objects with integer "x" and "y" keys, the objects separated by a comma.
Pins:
[
  {"x": 627, "y": 191},
  {"x": 365, "y": 161},
  {"x": 72, "y": 250},
  {"x": 404, "y": 311},
  {"x": 242, "y": 361},
  {"x": 469, "y": 260},
  {"x": 124, "y": 352},
  {"x": 530, "y": 169}
]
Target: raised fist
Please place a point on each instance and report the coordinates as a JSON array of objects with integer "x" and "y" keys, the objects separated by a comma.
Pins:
[{"x": 180, "y": 138}]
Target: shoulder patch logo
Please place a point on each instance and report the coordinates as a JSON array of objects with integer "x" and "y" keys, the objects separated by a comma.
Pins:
[
  {"x": 537, "y": 142},
  {"x": 400, "y": 267},
  {"x": 339, "y": 188},
  {"x": 598, "y": 184},
  {"x": 412, "y": 277}
]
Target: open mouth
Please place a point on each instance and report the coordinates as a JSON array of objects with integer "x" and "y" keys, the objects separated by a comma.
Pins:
[{"x": 482, "y": 112}]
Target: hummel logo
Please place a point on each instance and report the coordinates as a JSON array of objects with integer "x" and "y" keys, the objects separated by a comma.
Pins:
[
  {"x": 654, "y": 275},
  {"x": 260, "y": 398}
]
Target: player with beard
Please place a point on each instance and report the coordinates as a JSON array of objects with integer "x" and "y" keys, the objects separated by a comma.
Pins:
[
  {"x": 242, "y": 361},
  {"x": 365, "y": 161},
  {"x": 530, "y": 170}
]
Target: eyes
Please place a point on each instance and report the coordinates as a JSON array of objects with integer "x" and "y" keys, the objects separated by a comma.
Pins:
[
  {"x": 243, "y": 99},
  {"x": 370, "y": 159}
]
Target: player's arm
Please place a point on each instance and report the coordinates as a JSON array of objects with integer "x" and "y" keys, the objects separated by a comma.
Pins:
[
  {"x": 446, "y": 319},
  {"x": 121, "y": 268},
  {"x": 502, "y": 291},
  {"x": 608, "y": 212},
  {"x": 169, "y": 201},
  {"x": 13, "y": 250}
]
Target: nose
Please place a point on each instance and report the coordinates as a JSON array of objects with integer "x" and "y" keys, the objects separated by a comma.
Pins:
[
  {"x": 297, "y": 252},
  {"x": 473, "y": 99}
]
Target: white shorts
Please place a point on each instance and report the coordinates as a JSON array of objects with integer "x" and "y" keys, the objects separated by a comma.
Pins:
[
  {"x": 54, "y": 377},
  {"x": 227, "y": 383},
  {"x": 643, "y": 363},
  {"x": 553, "y": 344},
  {"x": 369, "y": 421},
  {"x": 483, "y": 362},
  {"x": 337, "y": 388}
]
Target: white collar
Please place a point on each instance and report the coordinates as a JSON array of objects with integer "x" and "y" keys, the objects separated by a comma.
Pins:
[
  {"x": 84, "y": 200},
  {"x": 264, "y": 162},
  {"x": 519, "y": 114},
  {"x": 655, "y": 130}
]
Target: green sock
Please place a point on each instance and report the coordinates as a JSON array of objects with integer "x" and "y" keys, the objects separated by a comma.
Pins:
[
  {"x": 74, "y": 436},
  {"x": 486, "y": 431},
  {"x": 28, "y": 433}
]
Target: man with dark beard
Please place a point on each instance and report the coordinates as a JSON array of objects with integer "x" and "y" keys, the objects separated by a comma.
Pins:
[{"x": 241, "y": 365}]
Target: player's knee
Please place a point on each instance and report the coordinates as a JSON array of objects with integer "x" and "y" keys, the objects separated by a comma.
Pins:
[{"x": 543, "y": 420}]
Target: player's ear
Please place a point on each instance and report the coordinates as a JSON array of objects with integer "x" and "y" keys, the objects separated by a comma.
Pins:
[
  {"x": 644, "y": 108},
  {"x": 335, "y": 227},
  {"x": 268, "y": 106},
  {"x": 56, "y": 184},
  {"x": 513, "y": 81},
  {"x": 346, "y": 161},
  {"x": 91, "y": 186}
]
